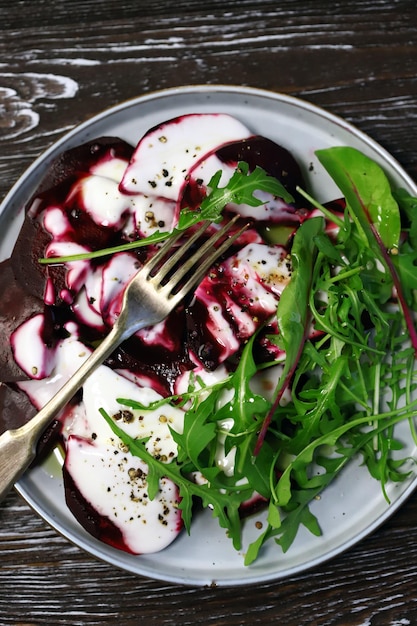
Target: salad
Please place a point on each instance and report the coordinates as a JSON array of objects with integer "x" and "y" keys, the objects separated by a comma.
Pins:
[{"x": 294, "y": 355}]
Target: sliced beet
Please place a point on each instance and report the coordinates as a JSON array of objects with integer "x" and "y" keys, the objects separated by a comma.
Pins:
[
  {"x": 157, "y": 363},
  {"x": 256, "y": 151},
  {"x": 16, "y": 306},
  {"x": 234, "y": 300},
  {"x": 113, "y": 504},
  {"x": 54, "y": 189},
  {"x": 276, "y": 160},
  {"x": 75, "y": 162},
  {"x": 166, "y": 153},
  {"x": 15, "y": 408},
  {"x": 97, "y": 525}
]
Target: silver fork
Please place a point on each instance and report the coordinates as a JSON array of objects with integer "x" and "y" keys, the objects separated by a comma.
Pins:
[{"x": 151, "y": 295}]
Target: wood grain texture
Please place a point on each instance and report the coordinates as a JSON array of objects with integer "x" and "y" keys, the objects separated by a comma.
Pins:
[{"x": 62, "y": 62}]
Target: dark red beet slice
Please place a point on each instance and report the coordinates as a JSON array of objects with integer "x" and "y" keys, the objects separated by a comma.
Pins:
[
  {"x": 262, "y": 152},
  {"x": 16, "y": 306},
  {"x": 97, "y": 525},
  {"x": 67, "y": 169},
  {"x": 273, "y": 158},
  {"x": 227, "y": 293},
  {"x": 161, "y": 365},
  {"x": 15, "y": 408}
]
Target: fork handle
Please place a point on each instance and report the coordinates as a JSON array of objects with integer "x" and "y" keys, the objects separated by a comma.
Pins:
[
  {"x": 18, "y": 447},
  {"x": 16, "y": 454}
]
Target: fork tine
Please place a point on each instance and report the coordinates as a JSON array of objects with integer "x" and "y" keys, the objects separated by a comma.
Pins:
[
  {"x": 203, "y": 263},
  {"x": 159, "y": 255},
  {"x": 176, "y": 256},
  {"x": 199, "y": 254}
]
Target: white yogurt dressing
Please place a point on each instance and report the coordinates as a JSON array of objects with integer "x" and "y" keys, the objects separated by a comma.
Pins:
[
  {"x": 102, "y": 200},
  {"x": 36, "y": 362},
  {"x": 118, "y": 487},
  {"x": 165, "y": 155},
  {"x": 107, "y": 474}
]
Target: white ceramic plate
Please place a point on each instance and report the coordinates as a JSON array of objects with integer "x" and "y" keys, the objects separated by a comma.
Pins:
[{"x": 349, "y": 509}]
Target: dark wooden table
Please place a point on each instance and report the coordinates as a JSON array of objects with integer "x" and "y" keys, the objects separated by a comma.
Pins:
[{"x": 62, "y": 62}]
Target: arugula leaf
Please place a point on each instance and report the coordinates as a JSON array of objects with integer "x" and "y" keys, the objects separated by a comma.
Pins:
[
  {"x": 240, "y": 189},
  {"x": 408, "y": 205},
  {"x": 198, "y": 431},
  {"x": 225, "y": 506},
  {"x": 286, "y": 525},
  {"x": 205, "y": 424},
  {"x": 292, "y": 312}
]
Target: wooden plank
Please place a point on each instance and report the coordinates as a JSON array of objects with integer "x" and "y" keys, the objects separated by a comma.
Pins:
[{"x": 61, "y": 63}]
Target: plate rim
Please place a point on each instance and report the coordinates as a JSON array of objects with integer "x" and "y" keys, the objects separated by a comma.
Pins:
[{"x": 238, "y": 91}]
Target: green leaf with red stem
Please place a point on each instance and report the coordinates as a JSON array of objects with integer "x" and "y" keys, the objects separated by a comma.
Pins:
[
  {"x": 367, "y": 191},
  {"x": 371, "y": 204},
  {"x": 293, "y": 310}
]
